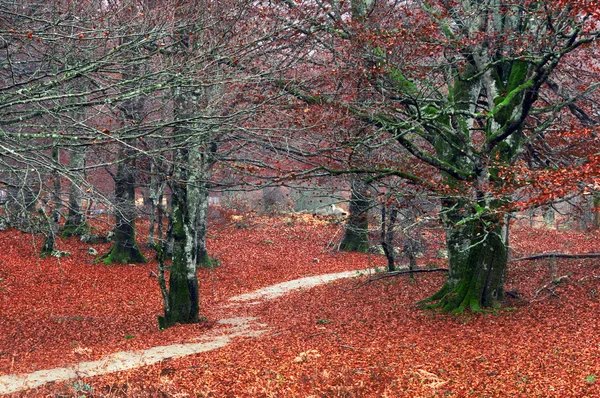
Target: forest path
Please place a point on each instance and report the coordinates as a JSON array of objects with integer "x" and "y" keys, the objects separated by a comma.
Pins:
[{"x": 218, "y": 337}]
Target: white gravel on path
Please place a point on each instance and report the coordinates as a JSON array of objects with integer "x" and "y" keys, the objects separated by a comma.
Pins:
[{"x": 217, "y": 338}]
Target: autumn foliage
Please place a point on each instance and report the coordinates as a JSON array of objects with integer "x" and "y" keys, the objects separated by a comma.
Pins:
[{"x": 333, "y": 340}]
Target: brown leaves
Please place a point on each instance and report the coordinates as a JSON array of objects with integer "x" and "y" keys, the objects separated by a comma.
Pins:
[{"x": 327, "y": 341}]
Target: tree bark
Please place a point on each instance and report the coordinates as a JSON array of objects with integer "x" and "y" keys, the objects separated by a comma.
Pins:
[
  {"x": 202, "y": 257},
  {"x": 477, "y": 256},
  {"x": 75, "y": 224},
  {"x": 387, "y": 234},
  {"x": 356, "y": 237},
  {"x": 157, "y": 188},
  {"x": 183, "y": 294},
  {"x": 48, "y": 246},
  {"x": 125, "y": 249}
]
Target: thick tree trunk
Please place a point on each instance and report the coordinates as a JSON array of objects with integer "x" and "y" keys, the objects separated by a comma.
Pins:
[
  {"x": 183, "y": 303},
  {"x": 76, "y": 224},
  {"x": 356, "y": 237},
  {"x": 183, "y": 294},
  {"x": 125, "y": 249},
  {"x": 477, "y": 256}
]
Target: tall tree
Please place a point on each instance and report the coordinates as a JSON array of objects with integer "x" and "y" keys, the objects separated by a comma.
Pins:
[
  {"x": 210, "y": 40},
  {"x": 462, "y": 89}
]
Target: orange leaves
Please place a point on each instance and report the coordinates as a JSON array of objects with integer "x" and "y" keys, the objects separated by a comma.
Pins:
[{"x": 329, "y": 341}]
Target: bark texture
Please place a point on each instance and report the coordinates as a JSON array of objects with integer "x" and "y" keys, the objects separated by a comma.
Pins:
[
  {"x": 356, "y": 237},
  {"x": 125, "y": 249},
  {"x": 477, "y": 256},
  {"x": 75, "y": 225}
]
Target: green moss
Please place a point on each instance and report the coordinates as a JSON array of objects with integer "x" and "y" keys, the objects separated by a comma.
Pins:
[
  {"x": 207, "y": 262},
  {"x": 178, "y": 228},
  {"x": 121, "y": 255},
  {"x": 354, "y": 242},
  {"x": 403, "y": 85}
]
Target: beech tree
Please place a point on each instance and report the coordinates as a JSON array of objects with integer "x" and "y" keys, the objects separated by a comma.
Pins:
[
  {"x": 462, "y": 90},
  {"x": 213, "y": 102}
]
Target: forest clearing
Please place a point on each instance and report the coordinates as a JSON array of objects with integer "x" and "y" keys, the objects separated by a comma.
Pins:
[
  {"x": 299, "y": 198},
  {"x": 337, "y": 339}
]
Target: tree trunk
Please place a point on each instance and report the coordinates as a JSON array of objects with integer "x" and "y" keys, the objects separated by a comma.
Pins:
[
  {"x": 183, "y": 303},
  {"x": 356, "y": 237},
  {"x": 387, "y": 234},
  {"x": 48, "y": 246},
  {"x": 125, "y": 249},
  {"x": 201, "y": 228},
  {"x": 157, "y": 188},
  {"x": 76, "y": 224},
  {"x": 596, "y": 211},
  {"x": 477, "y": 256}
]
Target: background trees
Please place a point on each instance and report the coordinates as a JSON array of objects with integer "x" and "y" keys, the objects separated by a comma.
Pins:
[{"x": 485, "y": 106}]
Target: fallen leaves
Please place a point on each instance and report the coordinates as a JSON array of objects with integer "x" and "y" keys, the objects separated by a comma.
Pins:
[
  {"x": 306, "y": 356},
  {"x": 327, "y": 341}
]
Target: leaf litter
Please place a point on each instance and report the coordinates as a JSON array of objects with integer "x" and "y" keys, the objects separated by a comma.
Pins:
[{"x": 331, "y": 340}]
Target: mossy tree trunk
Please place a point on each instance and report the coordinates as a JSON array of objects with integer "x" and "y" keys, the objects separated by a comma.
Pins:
[
  {"x": 182, "y": 297},
  {"x": 183, "y": 294},
  {"x": 125, "y": 249},
  {"x": 477, "y": 256},
  {"x": 356, "y": 237}
]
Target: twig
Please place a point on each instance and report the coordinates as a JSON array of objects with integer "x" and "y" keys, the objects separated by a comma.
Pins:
[
  {"x": 350, "y": 347},
  {"x": 547, "y": 286},
  {"x": 320, "y": 333},
  {"x": 396, "y": 273},
  {"x": 557, "y": 255}
]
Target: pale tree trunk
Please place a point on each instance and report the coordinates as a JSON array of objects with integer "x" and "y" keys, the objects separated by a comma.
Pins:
[
  {"x": 202, "y": 257},
  {"x": 54, "y": 218},
  {"x": 157, "y": 188},
  {"x": 205, "y": 159},
  {"x": 356, "y": 236}
]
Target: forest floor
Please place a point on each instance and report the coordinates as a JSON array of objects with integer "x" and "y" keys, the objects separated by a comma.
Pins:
[{"x": 336, "y": 339}]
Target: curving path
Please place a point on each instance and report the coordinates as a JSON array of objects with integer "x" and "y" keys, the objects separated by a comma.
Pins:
[{"x": 218, "y": 337}]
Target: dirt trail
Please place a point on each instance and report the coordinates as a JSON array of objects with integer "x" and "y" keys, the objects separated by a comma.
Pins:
[{"x": 218, "y": 337}]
